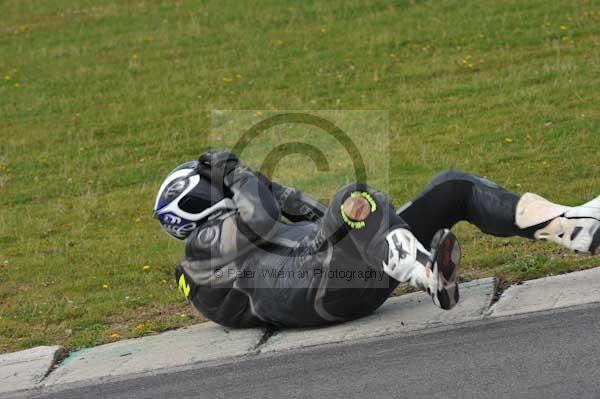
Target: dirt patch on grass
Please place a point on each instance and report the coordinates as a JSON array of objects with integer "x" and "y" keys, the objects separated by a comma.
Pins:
[{"x": 151, "y": 321}]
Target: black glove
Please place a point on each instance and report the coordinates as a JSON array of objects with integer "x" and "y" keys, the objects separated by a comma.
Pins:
[{"x": 214, "y": 165}]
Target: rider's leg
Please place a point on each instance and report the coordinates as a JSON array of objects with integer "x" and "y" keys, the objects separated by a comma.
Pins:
[{"x": 454, "y": 196}]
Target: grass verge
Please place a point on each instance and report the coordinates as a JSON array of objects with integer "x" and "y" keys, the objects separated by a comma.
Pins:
[{"x": 99, "y": 99}]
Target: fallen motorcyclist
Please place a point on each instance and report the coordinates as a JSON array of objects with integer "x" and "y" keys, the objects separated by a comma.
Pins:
[{"x": 258, "y": 253}]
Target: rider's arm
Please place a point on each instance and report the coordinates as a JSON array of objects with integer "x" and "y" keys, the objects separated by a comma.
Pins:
[
  {"x": 212, "y": 250},
  {"x": 257, "y": 209},
  {"x": 226, "y": 237}
]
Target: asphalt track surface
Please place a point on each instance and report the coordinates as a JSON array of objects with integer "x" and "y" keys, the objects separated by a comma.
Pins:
[{"x": 550, "y": 355}]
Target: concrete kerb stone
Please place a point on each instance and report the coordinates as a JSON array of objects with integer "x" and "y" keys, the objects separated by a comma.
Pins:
[
  {"x": 25, "y": 369},
  {"x": 198, "y": 343},
  {"x": 577, "y": 288}
]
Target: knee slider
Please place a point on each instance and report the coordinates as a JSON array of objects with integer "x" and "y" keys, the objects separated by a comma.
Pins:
[{"x": 356, "y": 208}]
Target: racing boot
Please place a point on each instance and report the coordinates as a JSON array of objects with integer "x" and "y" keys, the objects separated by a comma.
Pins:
[
  {"x": 435, "y": 271},
  {"x": 577, "y": 228}
]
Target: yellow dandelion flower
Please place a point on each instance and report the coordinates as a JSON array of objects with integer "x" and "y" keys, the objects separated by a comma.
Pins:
[
  {"x": 115, "y": 335},
  {"x": 227, "y": 79},
  {"x": 105, "y": 286},
  {"x": 140, "y": 326},
  {"x": 529, "y": 138},
  {"x": 323, "y": 30},
  {"x": 17, "y": 85},
  {"x": 163, "y": 281},
  {"x": 7, "y": 77},
  {"x": 470, "y": 65},
  {"x": 238, "y": 76},
  {"x": 134, "y": 56},
  {"x": 508, "y": 139},
  {"x": 279, "y": 42},
  {"x": 546, "y": 164},
  {"x": 146, "y": 267},
  {"x": 563, "y": 27},
  {"x": 258, "y": 113}
]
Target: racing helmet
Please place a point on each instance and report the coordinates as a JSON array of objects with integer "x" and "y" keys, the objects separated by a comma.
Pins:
[{"x": 185, "y": 200}]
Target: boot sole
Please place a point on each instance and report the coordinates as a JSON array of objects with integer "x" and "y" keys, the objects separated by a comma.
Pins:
[
  {"x": 446, "y": 254},
  {"x": 595, "y": 245}
]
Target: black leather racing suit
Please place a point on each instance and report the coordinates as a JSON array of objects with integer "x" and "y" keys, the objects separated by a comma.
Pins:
[{"x": 249, "y": 268}]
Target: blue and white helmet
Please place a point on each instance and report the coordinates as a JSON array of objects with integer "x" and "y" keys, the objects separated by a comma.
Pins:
[{"x": 185, "y": 200}]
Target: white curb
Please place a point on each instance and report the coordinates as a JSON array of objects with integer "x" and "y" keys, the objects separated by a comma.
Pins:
[
  {"x": 25, "y": 369},
  {"x": 199, "y": 343},
  {"x": 577, "y": 288}
]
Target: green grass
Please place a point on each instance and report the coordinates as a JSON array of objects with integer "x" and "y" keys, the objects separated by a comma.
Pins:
[{"x": 99, "y": 99}]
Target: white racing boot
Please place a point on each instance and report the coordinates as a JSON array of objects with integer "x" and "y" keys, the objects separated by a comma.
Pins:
[
  {"x": 434, "y": 272},
  {"x": 577, "y": 228}
]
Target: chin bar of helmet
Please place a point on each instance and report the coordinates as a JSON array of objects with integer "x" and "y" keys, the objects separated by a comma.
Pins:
[
  {"x": 225, "y": 204},
  {"x": 173, "y": 206}
]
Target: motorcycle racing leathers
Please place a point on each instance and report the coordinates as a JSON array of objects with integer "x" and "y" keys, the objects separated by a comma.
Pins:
[{"x": 249, "y": 267}]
